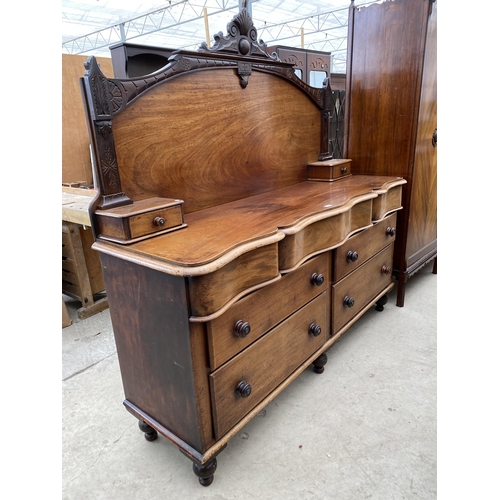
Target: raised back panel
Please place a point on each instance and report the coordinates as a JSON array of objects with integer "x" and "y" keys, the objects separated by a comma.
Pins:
[{"x": 203, "y": 138}]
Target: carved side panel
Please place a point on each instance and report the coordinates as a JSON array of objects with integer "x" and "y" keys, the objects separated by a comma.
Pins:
[{"x": 104, "y": 97}]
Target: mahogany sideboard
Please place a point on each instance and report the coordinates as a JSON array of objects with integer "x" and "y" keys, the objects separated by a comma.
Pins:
[
  {"x": 391, "y": 108},
  {"x": 229, "y": 238}
]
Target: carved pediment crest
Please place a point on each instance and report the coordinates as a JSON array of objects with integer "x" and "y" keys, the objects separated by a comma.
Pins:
[{"x": 241, "y": 39}]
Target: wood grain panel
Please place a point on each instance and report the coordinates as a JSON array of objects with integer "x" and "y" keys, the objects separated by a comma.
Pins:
[
  {"x": 288, "y": 345},
  {"x": 265, "y": 308},
  {"x": 149, "y": 314},
  {"x": 422, "y": 229},
  {"x": 190, "y": 136},
  {"x": 384, "y": 86}
]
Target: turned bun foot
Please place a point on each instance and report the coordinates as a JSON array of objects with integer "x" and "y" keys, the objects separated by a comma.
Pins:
[
  {"x": 319, "y": 363},
  {"x": 381, "y": 303},
  {"x": 205, "y": 472},
  {"x": 149, "y": 433}
]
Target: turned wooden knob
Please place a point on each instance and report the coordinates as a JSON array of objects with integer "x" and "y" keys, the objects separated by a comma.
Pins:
[
  {"x": 241, "y": 329},
  {"x": 343, "y": 170},
  {"x": 348, "y": 301},
  {"x": 317, "y": 279},
  {"x": 158, "y": 221},
  {"x": 391, "y": 231},
  {"x": 385, "y": 270},
  {"x": 243, "y": 389},
  {"x": 352, "y": 256},
  {"x": 314, "y": 330}
]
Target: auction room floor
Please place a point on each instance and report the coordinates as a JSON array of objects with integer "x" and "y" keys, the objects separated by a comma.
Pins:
[{"x": 364, "y": 429}]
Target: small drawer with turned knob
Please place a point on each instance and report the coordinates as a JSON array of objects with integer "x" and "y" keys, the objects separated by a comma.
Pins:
[
  {"x": 252, "y": 316},
  {"x": 140, "y": 220},
  {"x": 244, "y": 381}
]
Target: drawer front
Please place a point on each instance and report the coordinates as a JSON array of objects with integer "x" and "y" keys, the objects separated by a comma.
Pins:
[
  {"x": 362, "y": 286},
  {"x": 360, "y": 247},
  {"x": 323, "y": 235},
  {"x": 212, "y": 293},
  {"x": 251, "y": 317},
  {"x": 154, "y": 221},
  {"x": 265, "y": 364}
]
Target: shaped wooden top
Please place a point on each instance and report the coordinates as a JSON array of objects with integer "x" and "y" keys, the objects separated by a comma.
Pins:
[{"x": 217, "y": 235}]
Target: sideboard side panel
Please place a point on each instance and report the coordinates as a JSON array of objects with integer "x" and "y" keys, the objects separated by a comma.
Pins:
[{"x": 149, "y": 314}]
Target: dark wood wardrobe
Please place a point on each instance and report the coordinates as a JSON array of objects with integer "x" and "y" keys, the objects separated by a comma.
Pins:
[{"x": 391, "y": 112}]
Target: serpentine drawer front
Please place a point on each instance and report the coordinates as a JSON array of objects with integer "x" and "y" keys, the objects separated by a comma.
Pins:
[
  {"x": 362, "y": 246},
  {"x": 354, "y": 291},
  {"x": 249, "y": 318},
  {"x": 243, "y": 382}
]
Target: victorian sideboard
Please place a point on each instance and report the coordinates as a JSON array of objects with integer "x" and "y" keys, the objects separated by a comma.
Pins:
[
  {"x": 391, "y": 108},
  {"x": 230, "y": 240}
]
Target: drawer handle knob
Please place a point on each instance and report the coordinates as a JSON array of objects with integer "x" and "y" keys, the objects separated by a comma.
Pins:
[
  {"x": 348, "y": 301},
  {"x": 352, "y": 256},
  {"x": 343, "y": 170},
  {"x": 385, "y": 270},
  {"x": 314, "y": 330},
  {"x": 243, "y": 389},
  {"x": 317, "y": 279},
  {"x": 158, "y": 221},
  {"x": 391, "y": 231},
  {"x": 241, "y": 329}
]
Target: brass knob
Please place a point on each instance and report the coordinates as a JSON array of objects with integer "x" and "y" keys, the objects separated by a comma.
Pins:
[
  {"x": 241, "y": 329},
  {"x": 391, "y": 231},
  {"x": 317, "y": 279},
  {"x": 243, "y": 389},
  {"x": 385, "y": 270},
  {"x": 314, "y": 330},
  {"x": 351, "y": 256},
  {"x": 348, "y": 301},
  {"x": 158, "y": 221}
]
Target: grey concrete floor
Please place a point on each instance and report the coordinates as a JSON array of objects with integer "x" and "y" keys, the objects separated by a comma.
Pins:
[{"x": 364, "y": 429}]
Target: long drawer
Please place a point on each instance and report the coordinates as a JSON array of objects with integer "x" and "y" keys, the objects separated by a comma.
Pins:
[
  {"x": 240, "y": 384},
  {"x": 354, "y": 292},
  {"x": 251, "y": 317},
  {"x": 360, "y": 247}
]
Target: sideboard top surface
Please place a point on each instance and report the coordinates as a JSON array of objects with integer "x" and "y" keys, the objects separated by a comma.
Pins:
[{"x": 216, "y": 234}]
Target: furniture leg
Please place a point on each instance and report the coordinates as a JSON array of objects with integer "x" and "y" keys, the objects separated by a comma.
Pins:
[
  {"x": 150, "y": 434},
  {"x": 319, "y": 363},
  {"x": 205, "y": 472},
  {"x": 400, "y": 301},
  {"x": 381, "y": 303},
  {"x": 435, "y": 267}
]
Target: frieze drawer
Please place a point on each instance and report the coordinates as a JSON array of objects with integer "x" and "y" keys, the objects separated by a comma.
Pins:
[
  {"x": 242, "y": 383},
  {"x": 360, "y": 247},
  {"x": 249, "y": 318},
  {"x": 353, "y": 292}
]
